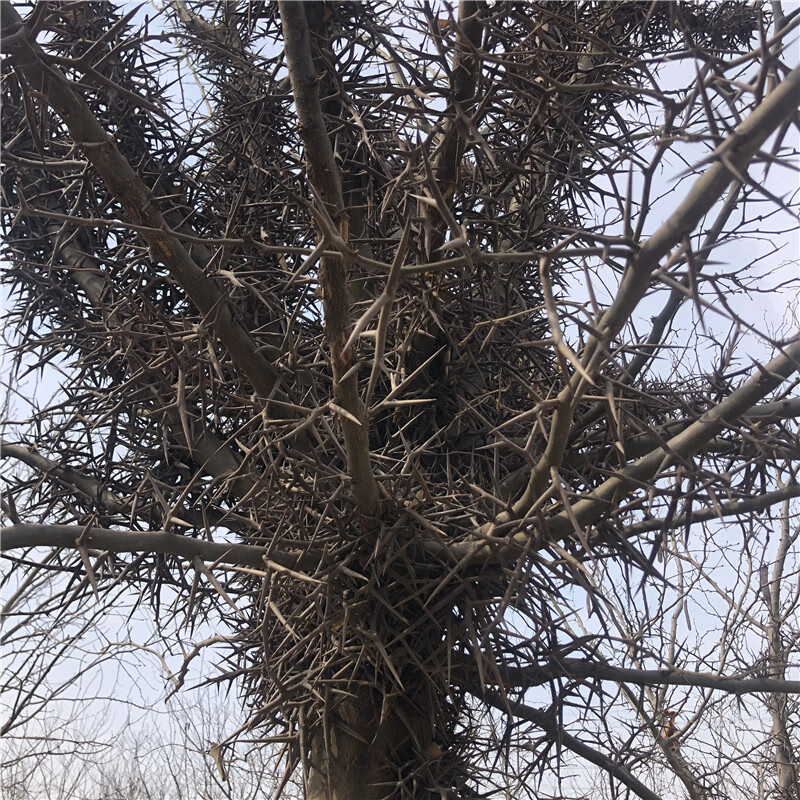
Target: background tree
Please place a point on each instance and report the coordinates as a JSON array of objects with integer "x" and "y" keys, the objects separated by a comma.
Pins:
[{"x": 382, "y": 358}]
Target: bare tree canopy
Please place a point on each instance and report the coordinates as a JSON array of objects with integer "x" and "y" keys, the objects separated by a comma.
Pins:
[{"x": 408, "y": 358}]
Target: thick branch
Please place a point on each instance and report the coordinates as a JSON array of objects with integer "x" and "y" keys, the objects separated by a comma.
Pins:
[
  {"x": 218, "y": 464},
  {"x": 730, "y": 158},
  {"x": 779, "y": 652},
  {"x": 655, "y": 340},
  {"x": 682, "y": 446},
  {"x": 324, "y": 176},
  {"x": 580, "y": 669},
  {"x": 208, "y": 451},
  {"x": 463, "y": 82},
  {"x": 606, "y": 497},
  {"x": 731, "y": 508},
  {"x": 72, "y": 478},
  {"x": 136, "y": 199},
  {"x": 66, "y": 536}
]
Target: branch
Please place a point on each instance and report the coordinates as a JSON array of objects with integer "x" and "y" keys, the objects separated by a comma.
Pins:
[
  {"x": 463, "y": 82},
  {"x": 179, "y": 230},
  {"x": 731, "y": 508},
  {"x": 649, "y": 349},
  {"x": 780, "y": 647},
  {"x": 217, "y": 465},
  {"x": 15, "y": 537},
  {"x": 208, "y": 451},
  {"x": 581, "y": 669},
  {"x": 204, "y": 30},
  {"x": 734, "y": 154},
  {"x": 780, "y": 409},
  {"x": 135, "y": 197},
  {"x": 544, "y": 721},
  {"x": 607, "y": 496},
  {"x": 324, "y": 177},
  {"x": 72, "y": 478},
  {"x": 682, "y": 446},
  {"x": 641, "y": 444}
]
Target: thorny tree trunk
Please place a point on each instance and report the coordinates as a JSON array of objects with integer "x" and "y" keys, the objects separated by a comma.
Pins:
[
  {"x": 356, "y": 757},
  {"x": 351, "y": 760},
  {"x": 354, "y": 753}
]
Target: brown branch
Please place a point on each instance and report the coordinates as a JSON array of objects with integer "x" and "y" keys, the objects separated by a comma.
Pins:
[
  {"x": 649, "y": 349},
  {"x": 463, "y": 82},
  {"x": 88, "y": 486},
  {"x": 685, "y": 444},
  {"x": 324, "y": 176},
  {"x": 208, "y": 451},
  {"x": 736, "y": 151},
  {"x": 641, "y": 444},
  {"x": 15, "y": 537},
  {"x": 581, "y": 669},
  {"x": 606, "y": 497},
  {"x": 136, "y": 199},
  {"x": 544, "y": 721},
  {"x": 785, "y": 753},
  {"x": 408, "y": 270},
  {"x": 734, "y": 507}
]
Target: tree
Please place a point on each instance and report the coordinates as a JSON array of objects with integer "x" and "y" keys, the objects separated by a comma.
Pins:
[{"x": 377, "y": 359}]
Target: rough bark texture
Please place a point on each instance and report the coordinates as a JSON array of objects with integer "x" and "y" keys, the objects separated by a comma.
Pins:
[{"x": 354, "y": 758}]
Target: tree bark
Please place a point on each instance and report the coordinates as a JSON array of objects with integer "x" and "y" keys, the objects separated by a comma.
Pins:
[{"x": 354, "y": 760}]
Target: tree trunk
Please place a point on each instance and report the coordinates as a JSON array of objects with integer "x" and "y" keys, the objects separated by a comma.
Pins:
[
  {"x": 375, "y": 744},
  {"x": 357, "y": 763}
]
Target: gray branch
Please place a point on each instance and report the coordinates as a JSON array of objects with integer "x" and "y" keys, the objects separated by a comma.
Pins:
[{"x": 15, "y": 537}]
